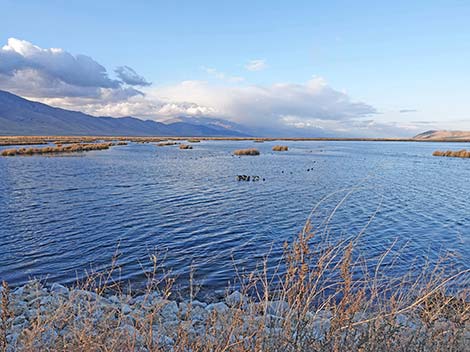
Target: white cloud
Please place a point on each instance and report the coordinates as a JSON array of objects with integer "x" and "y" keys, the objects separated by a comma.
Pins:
[
  {"x": 258, "y": 105},
  {"x": 256, "y": 65},
  {"x": 129, "y": 76},
  {"x": 223, "y": 76},
  {"x": 32, "y": 71},
  {"x": 79, "y": 70}
]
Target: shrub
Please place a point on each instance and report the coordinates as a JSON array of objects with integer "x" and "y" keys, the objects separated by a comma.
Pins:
[
  {"x": 250, "y": 151},
  {"x": 455, "y": 154}
]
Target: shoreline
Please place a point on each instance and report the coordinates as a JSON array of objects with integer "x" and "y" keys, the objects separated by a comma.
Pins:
[{"x": 38, "y": 140}]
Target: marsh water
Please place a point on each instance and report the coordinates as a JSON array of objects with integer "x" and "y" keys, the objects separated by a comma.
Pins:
[{"x": 61, "y": 216}]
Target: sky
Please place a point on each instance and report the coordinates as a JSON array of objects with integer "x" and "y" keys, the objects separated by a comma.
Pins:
[{"x": 344, "y": 68}]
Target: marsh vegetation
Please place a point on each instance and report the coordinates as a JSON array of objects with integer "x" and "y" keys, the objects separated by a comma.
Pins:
[
  {"x": 280, "y": 148},
  {"x": 454, "y": 154},
  {"x": 186, "y": 146},
  {"x": 58, "y": 149},
  {"x": 249, "y": 151}
]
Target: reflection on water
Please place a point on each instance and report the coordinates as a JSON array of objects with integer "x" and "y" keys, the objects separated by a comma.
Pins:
[{"x": 62, "y": 215}]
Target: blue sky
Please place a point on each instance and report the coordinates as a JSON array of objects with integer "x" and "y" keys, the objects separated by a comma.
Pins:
[{"x": 390, "y": 56}]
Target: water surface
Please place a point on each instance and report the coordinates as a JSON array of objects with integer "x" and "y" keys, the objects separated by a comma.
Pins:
[{"x": 62, "y": 215}]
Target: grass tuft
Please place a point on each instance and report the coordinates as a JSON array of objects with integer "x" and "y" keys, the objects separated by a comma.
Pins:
[
  {"x": 250, "y": 151},
  {"x": 186, "y": 146},
  {"x": 280, "y": 148}
]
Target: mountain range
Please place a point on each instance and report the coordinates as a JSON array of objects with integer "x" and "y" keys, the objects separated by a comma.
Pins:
[{"x": 22, "y": 117}]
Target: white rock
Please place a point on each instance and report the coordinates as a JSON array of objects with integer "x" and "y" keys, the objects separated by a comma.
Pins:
[
  {"x": 219, "y": 307},
  {"x": 169, "y": 311},
  {"x": 60, "y": 289},
  {"x": 183, "y": 309},
  {"x": 196, "y": 303},
  {"x": 236, "y": 299},
  {"x": 163, "y": 340},
  {"x": 198, "y": 314},
  {"x": 126, "y": 309},
  {"x": 278, "y": 307},
  {"x": 114, "y": 299},
  {"x": 18, "y": 291}
]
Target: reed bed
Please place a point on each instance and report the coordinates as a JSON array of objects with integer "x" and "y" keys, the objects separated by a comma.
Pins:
[
  {"x": 454, "y": 154},
  {"x": 280, "y": 148},
  {"x": 58, "y": 149},
  {"x": 194, "y": 140},
  {"x": 185, "y": 146},
  {"x": 250, "y": 151}
]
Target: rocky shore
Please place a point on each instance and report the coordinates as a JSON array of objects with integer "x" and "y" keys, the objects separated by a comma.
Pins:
[
  {"x": 62, "y": 312},
  {"x": 34, "y": 317}
]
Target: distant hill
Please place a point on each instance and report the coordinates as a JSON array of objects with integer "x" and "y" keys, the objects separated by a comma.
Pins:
[
  {"x": 444, "y": 135},
  {"x": 19, "y": 116}
]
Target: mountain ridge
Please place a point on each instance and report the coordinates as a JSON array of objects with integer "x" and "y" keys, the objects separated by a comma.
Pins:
[
  {"x": 20, "y": 116},
  {"x": 446, "y": 135}
]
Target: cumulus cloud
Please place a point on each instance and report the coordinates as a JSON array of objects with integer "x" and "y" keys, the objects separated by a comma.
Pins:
[
  {"x": 259, "y": 105},
  {"x": 79, "y": 70},
  {"x": 256, "y": 65},
  {"x": 32, "y": 71},
  {"x": 129, "y": 76}
]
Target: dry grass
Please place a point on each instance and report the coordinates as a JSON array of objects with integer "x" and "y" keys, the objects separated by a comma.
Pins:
[
  {"x": 280, "y": 148},
  {"x": 58, "y": 149},
  {"x": 166, "y": 144},
  {"x": 186, "y": 146},
  {"x": 194, "y": 140},
  {"x": 250, "y": 151},
  {"x": 455, "y": 154}
]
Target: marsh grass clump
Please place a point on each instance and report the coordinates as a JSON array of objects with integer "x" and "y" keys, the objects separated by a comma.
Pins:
[
  {"x": 186, "y": 146},
  {"x": 9, "y": 152},
  {"x": 250, "y": 151},
  {"x": 455, "y": 154},
  {"x": 280, "y": 148},
  {"x": 165, "y": 144},
  {"x": 194, "y": 140},
  {"x": 70, "y": 148}
]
